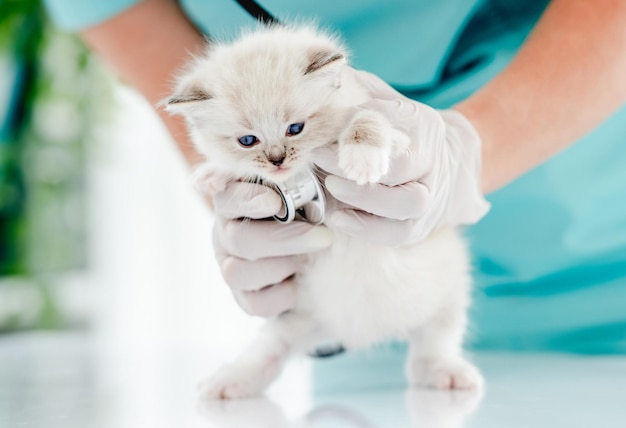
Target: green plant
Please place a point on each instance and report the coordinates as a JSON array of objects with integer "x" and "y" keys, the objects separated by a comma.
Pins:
[{"x": 53, "y": 96}]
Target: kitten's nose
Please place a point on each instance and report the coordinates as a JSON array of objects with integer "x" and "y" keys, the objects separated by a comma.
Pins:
[{"x": 276, "y": 158}]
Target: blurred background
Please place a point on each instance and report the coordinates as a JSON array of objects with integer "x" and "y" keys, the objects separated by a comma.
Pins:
[
  {"x": 42, "y": 166},
  {"x": 100, "y": 230}
]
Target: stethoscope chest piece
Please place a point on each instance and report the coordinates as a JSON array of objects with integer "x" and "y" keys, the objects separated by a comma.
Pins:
[{"x": 303, "y": 199}]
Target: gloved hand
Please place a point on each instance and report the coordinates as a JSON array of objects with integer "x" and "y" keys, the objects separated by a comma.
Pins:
[
  {"x": 435, "y": 183},
  {"x": 258, "y": 258}
]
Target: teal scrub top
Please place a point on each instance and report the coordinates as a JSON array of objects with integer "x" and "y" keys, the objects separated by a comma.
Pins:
[{"x": 550, "y": 257}]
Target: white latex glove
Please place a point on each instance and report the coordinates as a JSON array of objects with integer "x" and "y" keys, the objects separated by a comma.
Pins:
[
  {"x": 258, "y": 258},
  {"x": 435, "y": 183}
]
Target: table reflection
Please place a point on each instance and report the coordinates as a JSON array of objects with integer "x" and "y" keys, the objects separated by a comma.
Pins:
[{"x": 412, "y": 407}]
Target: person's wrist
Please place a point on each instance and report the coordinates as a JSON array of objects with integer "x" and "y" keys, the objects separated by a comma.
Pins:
[
  {"x": 474, "y": 110},
  {"x": 466, "y": 202}
]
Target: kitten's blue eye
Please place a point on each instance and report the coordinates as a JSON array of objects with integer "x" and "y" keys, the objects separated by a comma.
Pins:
[
  {"x": 295, "y": 128},
  {"x": 248, "y": 140}
]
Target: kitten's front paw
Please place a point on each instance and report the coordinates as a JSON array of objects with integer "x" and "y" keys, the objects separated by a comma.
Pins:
[
  {"x": 239, "y": 381},
  {"x": 444, "y": 373},
  {"x": 363, "y": 164},
  {"x": 208, "y": 180},
  {"x": 367, "y": 145}
]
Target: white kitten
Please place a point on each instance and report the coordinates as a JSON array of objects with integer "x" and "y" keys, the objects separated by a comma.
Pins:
[{"x": 258, "y": 107}]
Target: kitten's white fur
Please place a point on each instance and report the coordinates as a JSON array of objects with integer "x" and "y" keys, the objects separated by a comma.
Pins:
[{"x": 354, "y": 293}]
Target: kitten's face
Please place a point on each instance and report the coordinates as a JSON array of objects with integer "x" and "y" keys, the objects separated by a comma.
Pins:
[{"x": 261, "y": 106}]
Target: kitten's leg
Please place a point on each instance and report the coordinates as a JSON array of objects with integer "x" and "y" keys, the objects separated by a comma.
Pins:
[
  {"x": 435, "y": 355},
  {"x": 367, "y": 145},
  {"x": 260, "y": 363}
]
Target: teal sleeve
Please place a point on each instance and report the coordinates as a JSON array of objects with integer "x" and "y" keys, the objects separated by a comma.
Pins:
[{"x": 74, "y": 15}]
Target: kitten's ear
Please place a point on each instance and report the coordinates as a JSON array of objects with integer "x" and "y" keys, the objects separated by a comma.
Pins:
[
  {"x": 186, "y": 95},
  {"x": 189, "y": 95},
  {"x": 190, "y": 90},
  {"x": 324, "y": 59}
]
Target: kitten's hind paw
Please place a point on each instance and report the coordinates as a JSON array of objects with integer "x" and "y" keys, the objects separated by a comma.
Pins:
[
  {"x": 447, "y": 373},
  {"x": 229, "y": 384},
  {"x": 235, "y": 381}
]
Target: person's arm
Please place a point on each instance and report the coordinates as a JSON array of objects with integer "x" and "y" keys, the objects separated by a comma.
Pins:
[
  {"x": 569, "y": 76},
  {"x": 146, "y": 45}
]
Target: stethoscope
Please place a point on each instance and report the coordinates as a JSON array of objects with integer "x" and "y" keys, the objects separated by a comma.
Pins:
[{"x": 257, "y": 12}]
